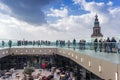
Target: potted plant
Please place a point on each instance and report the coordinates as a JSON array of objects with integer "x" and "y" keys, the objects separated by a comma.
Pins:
[{"x": 28, "y": 73}]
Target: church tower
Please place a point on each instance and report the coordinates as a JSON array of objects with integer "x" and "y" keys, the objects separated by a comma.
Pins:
[{"x": 96, "y": 29}]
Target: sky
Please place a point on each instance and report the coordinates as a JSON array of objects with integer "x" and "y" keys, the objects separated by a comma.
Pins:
[{"x": 58, "y": 19}]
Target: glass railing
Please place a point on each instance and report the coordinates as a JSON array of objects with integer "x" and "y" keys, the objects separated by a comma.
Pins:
[{"x": 109, "y": 47}]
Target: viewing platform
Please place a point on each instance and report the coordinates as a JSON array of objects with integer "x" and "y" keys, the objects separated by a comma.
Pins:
[{"x": 105, "y": 65}]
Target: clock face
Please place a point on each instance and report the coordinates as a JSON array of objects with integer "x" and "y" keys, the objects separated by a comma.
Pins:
[{"x": 96, "y": 31}]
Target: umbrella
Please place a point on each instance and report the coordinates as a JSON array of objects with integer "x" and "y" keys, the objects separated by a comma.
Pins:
[
  {"x": 8, "y": 73},
  {"x": 57, "y": 70}
]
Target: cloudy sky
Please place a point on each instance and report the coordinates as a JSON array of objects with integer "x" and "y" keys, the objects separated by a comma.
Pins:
[{"x": 57, "y": 19}]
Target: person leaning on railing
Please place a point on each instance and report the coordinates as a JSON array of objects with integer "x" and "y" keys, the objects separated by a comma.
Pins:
[
  {"x": 74, "y": 44},
  {"x": 100, "y": 45},
  {"x": 113, "y": 45},
  {"x": 3, "y": 43},
  {"x": 10, "y": 43},
  {"x": 108, "y": 45},
  {"x": 104, "y": 45},
  {"x": 69, "y": 43},
  {"x": 95, "y": 44},
  {"x": 118, "y": 46}
]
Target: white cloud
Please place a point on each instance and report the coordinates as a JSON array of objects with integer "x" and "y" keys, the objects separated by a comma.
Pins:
[
  {"x": 62, "y": 12},
  {"x": 5, "y": 8},
  {"x": 110, "y": 3},
  {"x": 68, "y": 26},
  {"x": 92, "y": 7},
  {"x": 12, "y": 28},
  {"x": 114, "y": 11}
]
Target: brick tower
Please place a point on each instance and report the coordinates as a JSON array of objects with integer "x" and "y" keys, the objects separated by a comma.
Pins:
[{"x": 96, "y": 29}]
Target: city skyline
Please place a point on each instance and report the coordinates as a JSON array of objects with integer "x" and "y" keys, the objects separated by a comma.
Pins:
[{"x": 57, "y": 19}]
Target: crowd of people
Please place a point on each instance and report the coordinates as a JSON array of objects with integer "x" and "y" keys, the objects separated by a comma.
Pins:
[
  {"x": 6, "y": 74},
  {"x": 54, "y": 73},
  {"x": 38, "y": 43},
  {"x": 25, "y": 43},
  {"x": 71, "y": 44},
  {"x": 59, "y": 43},
  {"x": 108, "y": 45}
]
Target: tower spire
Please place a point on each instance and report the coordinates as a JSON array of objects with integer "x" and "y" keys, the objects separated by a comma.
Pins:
[{"x": 96, "y": 23}]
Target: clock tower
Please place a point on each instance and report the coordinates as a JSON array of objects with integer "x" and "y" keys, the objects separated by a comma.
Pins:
[{"x": 96, "y": 29}]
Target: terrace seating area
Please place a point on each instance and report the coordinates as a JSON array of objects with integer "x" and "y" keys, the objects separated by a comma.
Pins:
[{"x": 38, "y": 74}]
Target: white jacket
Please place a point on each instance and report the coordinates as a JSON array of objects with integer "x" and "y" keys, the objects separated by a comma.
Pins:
[{"x": 118, "y": 45}]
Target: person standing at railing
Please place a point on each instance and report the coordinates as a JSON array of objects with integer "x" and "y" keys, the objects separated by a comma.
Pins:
[
  {"x": 104, "y": 45},
  {"x": 74, "y": 44},
  {"x": 22, "y": 43},
  {"x": 60, "y": 43},
  {"x": 100, "y": 45},
  {"x": 69, "y": 43},
  {"x": 3, "y": 43},
  {"x": 84, "y": 42},
  {"x": 38, "y": 42},
  {"x": 80, "y": 44},
  {"x": 118, "y": 46},
  {"x": 9, "y": 43},
  {"x": 56, "y": 43},
  {"x": 33, "y": 43},
  {"x": 108, "y": 45},
  {"x": 18, "y": 43},
  {"x": 95, "y": 44},
  {"x": 113, "y": 45},
  {"x": 63, "y": 43}
]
